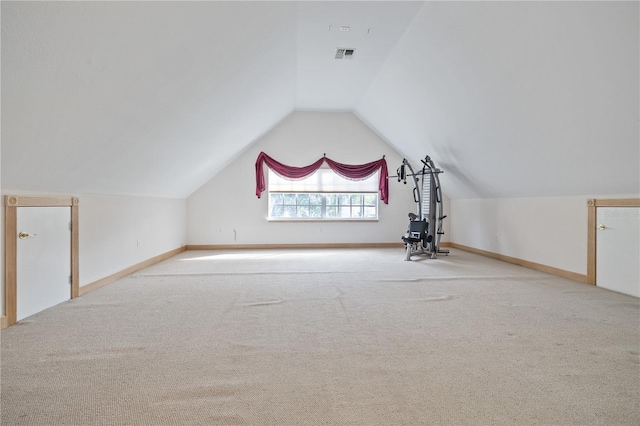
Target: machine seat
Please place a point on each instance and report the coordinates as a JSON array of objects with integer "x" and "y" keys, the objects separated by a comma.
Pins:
[{"x": 417, "y": 230}]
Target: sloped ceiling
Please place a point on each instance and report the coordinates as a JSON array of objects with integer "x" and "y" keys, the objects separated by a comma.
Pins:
[
  {"x": 155, "y": 98},
  {"x": 516, "y": 99},
  {"x": 140, "y": 98}
]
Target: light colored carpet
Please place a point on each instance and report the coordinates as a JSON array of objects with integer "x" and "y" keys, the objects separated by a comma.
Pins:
[{"x": 328, "y": 337}]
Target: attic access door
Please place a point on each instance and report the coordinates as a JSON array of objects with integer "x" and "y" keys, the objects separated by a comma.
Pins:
[
  {"x": 613, "y": 245},
  {"x": 43, "y": 259},
  {"x": 618, "y": 249},
  {"x": 65, "y": 211}
]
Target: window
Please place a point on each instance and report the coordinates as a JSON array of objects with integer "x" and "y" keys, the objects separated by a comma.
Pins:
[{"x": 323, "y": 195}]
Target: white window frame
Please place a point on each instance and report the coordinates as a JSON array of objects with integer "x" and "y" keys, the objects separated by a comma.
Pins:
[{"x": 328, "y": 186}]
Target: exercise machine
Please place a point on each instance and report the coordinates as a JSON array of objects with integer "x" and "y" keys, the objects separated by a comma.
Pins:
[{"x": 425, "y": 226}]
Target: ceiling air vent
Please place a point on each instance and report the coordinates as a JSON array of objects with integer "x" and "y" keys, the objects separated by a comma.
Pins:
[{"x": 344, "y": 53}]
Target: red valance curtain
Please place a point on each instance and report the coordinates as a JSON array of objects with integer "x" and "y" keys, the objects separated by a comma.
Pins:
[{"x": 348, "y": 171}]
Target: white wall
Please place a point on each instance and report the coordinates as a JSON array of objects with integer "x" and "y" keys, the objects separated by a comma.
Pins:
[
  {"x": 228, "y": 201},
  {"x": 110, "y": 227},
  {"x": 548, "y": 230},
  {"x": 527, "y": 106}
]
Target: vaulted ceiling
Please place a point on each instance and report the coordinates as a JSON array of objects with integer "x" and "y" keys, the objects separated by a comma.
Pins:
[{"x": 154, "y": 98}]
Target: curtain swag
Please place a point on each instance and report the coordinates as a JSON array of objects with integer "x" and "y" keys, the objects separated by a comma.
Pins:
[{"x": 347, "y": 171}]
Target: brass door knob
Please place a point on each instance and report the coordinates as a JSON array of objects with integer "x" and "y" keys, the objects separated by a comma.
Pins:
[
  {"x": 601, "y": 227},
  {"x": 22, "y": 235}
]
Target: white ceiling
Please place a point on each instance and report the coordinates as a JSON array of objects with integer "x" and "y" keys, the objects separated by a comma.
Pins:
[
  {"x": 155, "y": 98},
  {"x": 141, "y": 98},
  {"x": 517, "y": 99},
  {"x": 324, "y": 83}
]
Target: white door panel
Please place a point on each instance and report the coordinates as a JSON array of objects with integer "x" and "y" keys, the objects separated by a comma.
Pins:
[
  {"x": 43, "y": 259},
  {"x": 618, "y": 249}
]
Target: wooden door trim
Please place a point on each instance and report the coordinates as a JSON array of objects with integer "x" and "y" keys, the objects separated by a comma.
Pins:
[
  {"x": 11, "y": 204},
  {"x": 592, "y": 239}
]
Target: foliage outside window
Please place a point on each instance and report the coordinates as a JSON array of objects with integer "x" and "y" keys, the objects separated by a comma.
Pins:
[{"x": 323, "y": 196}]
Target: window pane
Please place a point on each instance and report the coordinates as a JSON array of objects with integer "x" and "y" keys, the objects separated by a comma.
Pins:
[
  {"x": 370, "y": 199},
  {"x": 320, "y": 206},
  {"x": 277, "y": 211},
  {"x": 303, "y": 199},
  {"x": 315, "y": 199},
  {"x": 370, "y": 212},
  {"x": 276, "y": 199}
]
